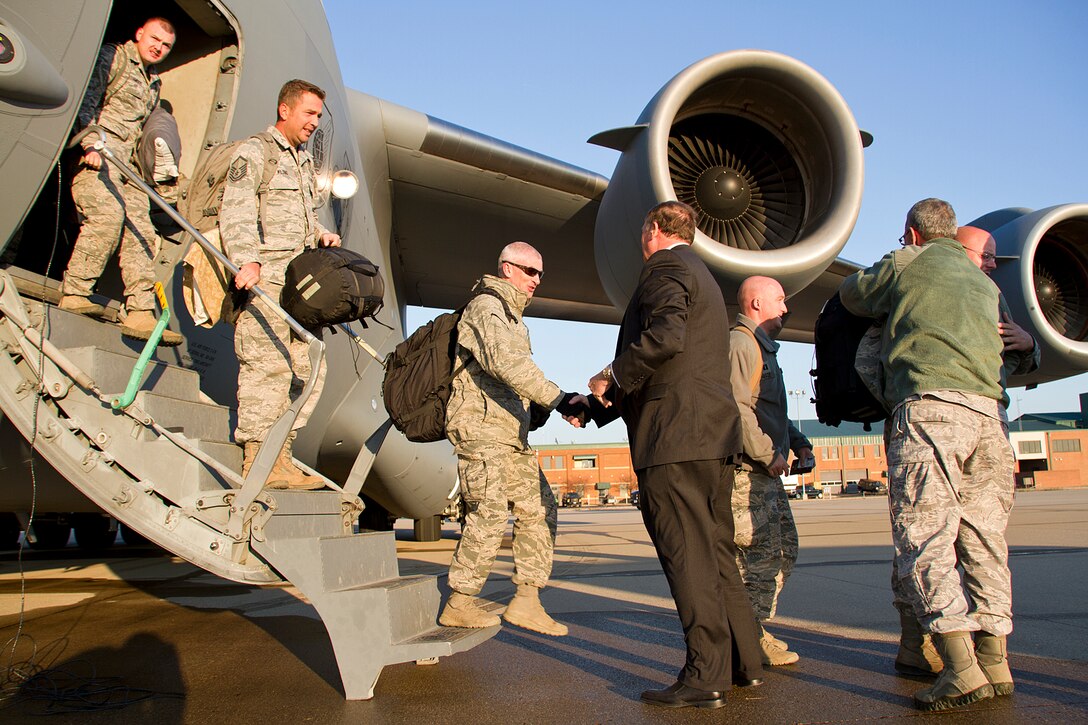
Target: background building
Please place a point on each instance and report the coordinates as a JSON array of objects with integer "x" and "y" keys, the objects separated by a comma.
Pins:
[{"x": 1051, "y": 451}]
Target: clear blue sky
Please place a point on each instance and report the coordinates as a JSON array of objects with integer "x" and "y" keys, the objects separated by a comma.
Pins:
[{"x": 980, "y": 103}]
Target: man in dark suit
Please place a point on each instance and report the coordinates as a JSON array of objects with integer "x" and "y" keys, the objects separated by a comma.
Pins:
[{"x": 670, "y": 383}]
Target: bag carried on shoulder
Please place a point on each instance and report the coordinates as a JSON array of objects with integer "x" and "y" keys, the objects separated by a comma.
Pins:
[
  {"x": 207, "y": 286},
  {"x": 419, "y": 374},
  {"x": 841, "y": 392}
]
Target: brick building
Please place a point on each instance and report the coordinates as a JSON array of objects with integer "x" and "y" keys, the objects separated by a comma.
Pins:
[{"x": 1051, "y": 452}]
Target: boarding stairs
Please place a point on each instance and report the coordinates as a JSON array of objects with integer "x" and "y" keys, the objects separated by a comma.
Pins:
[{"x": 158, "y": 457}]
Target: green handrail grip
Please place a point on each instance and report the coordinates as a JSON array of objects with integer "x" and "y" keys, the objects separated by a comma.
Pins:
[{"x": 145, "y": 356}]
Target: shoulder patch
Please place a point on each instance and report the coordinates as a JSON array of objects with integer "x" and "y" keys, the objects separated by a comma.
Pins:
[{"x": 239, "y": 169}]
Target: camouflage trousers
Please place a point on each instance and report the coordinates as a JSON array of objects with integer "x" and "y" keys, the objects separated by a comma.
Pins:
[
  {"x": 950, "y": 491},
  {"x": 273, "y": 366},
  {"x": 766, "y": 538},
  {"x": 496, "y": 479},
  {"x": 112, "y": 211}
]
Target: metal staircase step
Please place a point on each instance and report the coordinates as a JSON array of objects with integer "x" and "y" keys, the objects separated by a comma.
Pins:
[
  {"x": 306, "y": 515},
  {"x": 205, "y": 421},
  {"x": 111, "y": 371},
  {"x": 441, "y": 642},
  {"x": 351, "y": 561}
]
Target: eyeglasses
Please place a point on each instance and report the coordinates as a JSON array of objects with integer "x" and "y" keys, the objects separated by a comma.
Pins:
[
  {"x": 903, "y": 241},
  {"x": 531, "y": 271},
  {"x": 986, "y": 256}
]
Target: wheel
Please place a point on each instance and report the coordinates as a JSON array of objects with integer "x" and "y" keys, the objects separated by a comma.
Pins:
[
  {"x": 132, "y": 537},
  {"x": 48, "y": 535},
  {"x": 93, "y": 531},
  {"x": 9, "y": 531},
  {"x": 428, "y": 529}
]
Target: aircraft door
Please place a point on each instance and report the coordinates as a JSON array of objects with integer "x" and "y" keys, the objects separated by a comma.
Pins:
[{"x": 47, "y": 51}]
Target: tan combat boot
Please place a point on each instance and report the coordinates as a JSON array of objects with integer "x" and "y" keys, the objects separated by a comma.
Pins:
[
  {"x": 285, "y": 474},
  {"x": 917, "y": 656},
  {"x": 992, "y": 655},
  {"x": 139, "y": 324},
  {"x": 463, "y": 610},
  {"x": 961, "y": 682},
  {"x": 525, "y": 610},
  {"x": 81, "y": 306},
  {"x": 775, "y": 651},
  {"x": 249, "y": 454}
]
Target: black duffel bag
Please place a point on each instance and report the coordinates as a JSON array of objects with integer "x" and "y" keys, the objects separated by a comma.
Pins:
[{"x": 331, "y": 286}]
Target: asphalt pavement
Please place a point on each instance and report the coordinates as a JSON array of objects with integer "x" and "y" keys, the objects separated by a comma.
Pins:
[{"x": 169, "y": 643}]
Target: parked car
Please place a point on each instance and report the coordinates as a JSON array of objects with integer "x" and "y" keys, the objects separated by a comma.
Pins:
[
  {"x": 572, "y": 499},
  {"x": 634, "y": 499},
  {"x": 872, "y": 485},
  {"x": 809, "y": 490}
]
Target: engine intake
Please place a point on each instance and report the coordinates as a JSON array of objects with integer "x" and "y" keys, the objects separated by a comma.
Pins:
[
  {"x": 766, "y": 151},
  {"x": 1044, "y": 277}
]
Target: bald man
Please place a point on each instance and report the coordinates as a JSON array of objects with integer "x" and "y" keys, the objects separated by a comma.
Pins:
[
  {"x": 1020, "y": 354},
  {"x": 766, "y": 536}
]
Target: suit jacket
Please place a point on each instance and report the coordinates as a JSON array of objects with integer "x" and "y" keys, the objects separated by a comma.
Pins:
[{"x": 672, "y": 366}]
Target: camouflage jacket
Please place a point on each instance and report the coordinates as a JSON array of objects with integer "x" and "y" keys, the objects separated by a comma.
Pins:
[
  {"x": 763, "y": 414},
  {"x": 496, "y": 377},
  {"x": 274, "y": 228},
  {"x": 120, "y": 95}
]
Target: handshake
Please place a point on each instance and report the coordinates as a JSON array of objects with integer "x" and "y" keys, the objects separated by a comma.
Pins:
[{"x": 575, "y": 407}]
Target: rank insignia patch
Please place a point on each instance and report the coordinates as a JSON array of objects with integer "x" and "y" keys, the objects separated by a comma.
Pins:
[{"x": 238, "y": 169}]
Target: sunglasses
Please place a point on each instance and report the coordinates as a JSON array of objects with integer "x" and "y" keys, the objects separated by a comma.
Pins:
[{"x": 531, "y": 271}]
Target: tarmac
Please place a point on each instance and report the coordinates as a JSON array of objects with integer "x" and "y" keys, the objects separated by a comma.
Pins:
[{"x": 165, "y": 642}]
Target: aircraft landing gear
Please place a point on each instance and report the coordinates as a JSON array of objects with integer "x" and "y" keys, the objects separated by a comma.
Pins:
[
  {"x": 94, "y": 531},
  {"x": 428, "y": 529},
  {"x": 48, "y": 535}
]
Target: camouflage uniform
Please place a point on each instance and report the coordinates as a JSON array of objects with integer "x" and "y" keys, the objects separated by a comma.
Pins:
[
  {"x": 765, "y": 533},
  {"x": 487, "y": 421},
  {"x": 950, "y": 483},
  {"x": 119, "y": 98},
  {"x": 272, "y": 230}
]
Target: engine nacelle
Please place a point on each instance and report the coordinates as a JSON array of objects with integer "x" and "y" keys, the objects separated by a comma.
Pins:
[
  {"x": 1044, "y": 278},
  {"x": 766, "y": 151}
]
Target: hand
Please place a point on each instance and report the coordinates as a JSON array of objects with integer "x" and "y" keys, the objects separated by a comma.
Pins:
[
  {"x": 328, "y": 239},
  {"x": 248, "y": 276},
  {"x": 576, "y": 406},
  {"x": 779, "y": 467},
  {"x": 599, "y": 385},
  {"x": 1015, "y": 337},
  {"x": 92, "y": 159}
]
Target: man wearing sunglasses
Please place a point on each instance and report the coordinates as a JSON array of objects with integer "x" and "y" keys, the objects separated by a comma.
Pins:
[
  {"x": 494, "y": 386},
  {"x": 1021, "y": 354}
]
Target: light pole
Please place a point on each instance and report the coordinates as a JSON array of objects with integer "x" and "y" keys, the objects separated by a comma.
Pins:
[{"x": 796, "y": 394}]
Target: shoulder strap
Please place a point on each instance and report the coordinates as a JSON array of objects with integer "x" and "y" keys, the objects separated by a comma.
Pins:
[
  {"x": 271, "y": 155},
  {"x": 496, "y": 295},
  {"x": 113, "y": 79},
  {"x": 758, "y": 371}
]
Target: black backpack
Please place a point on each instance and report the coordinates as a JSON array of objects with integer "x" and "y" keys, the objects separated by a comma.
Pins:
[
  {"x": 419, "y": 373},
  {"x": 330, "y": 286},
  {"x": 840, "y": 392}
]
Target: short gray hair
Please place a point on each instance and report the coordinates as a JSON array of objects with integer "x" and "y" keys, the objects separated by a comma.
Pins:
[
  {"x": 933, "y": 218},
  {"x": 517, "y": 252}
]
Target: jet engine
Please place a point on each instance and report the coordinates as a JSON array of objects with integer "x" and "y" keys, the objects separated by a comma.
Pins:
[
  {"x": 1043, "y": 272},
  {"x": 766, "y": 151}
]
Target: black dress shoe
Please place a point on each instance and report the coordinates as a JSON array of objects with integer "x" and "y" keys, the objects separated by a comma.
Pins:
[
  {"x": 739, "y": 681},
  {"x": 680, "y": 695}
]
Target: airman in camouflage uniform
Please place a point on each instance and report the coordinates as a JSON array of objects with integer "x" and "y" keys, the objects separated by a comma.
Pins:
[
  {"x": 487, "y": 420},
  {"x": 123, "y": 91},
  {"x": 765, "y": 534},
  {"x": 262, "y": 234},
  {"x": 949, "y": 459}
]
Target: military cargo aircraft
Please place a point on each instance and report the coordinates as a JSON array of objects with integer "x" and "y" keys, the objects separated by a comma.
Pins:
[{"x": 762, "y": 145}]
